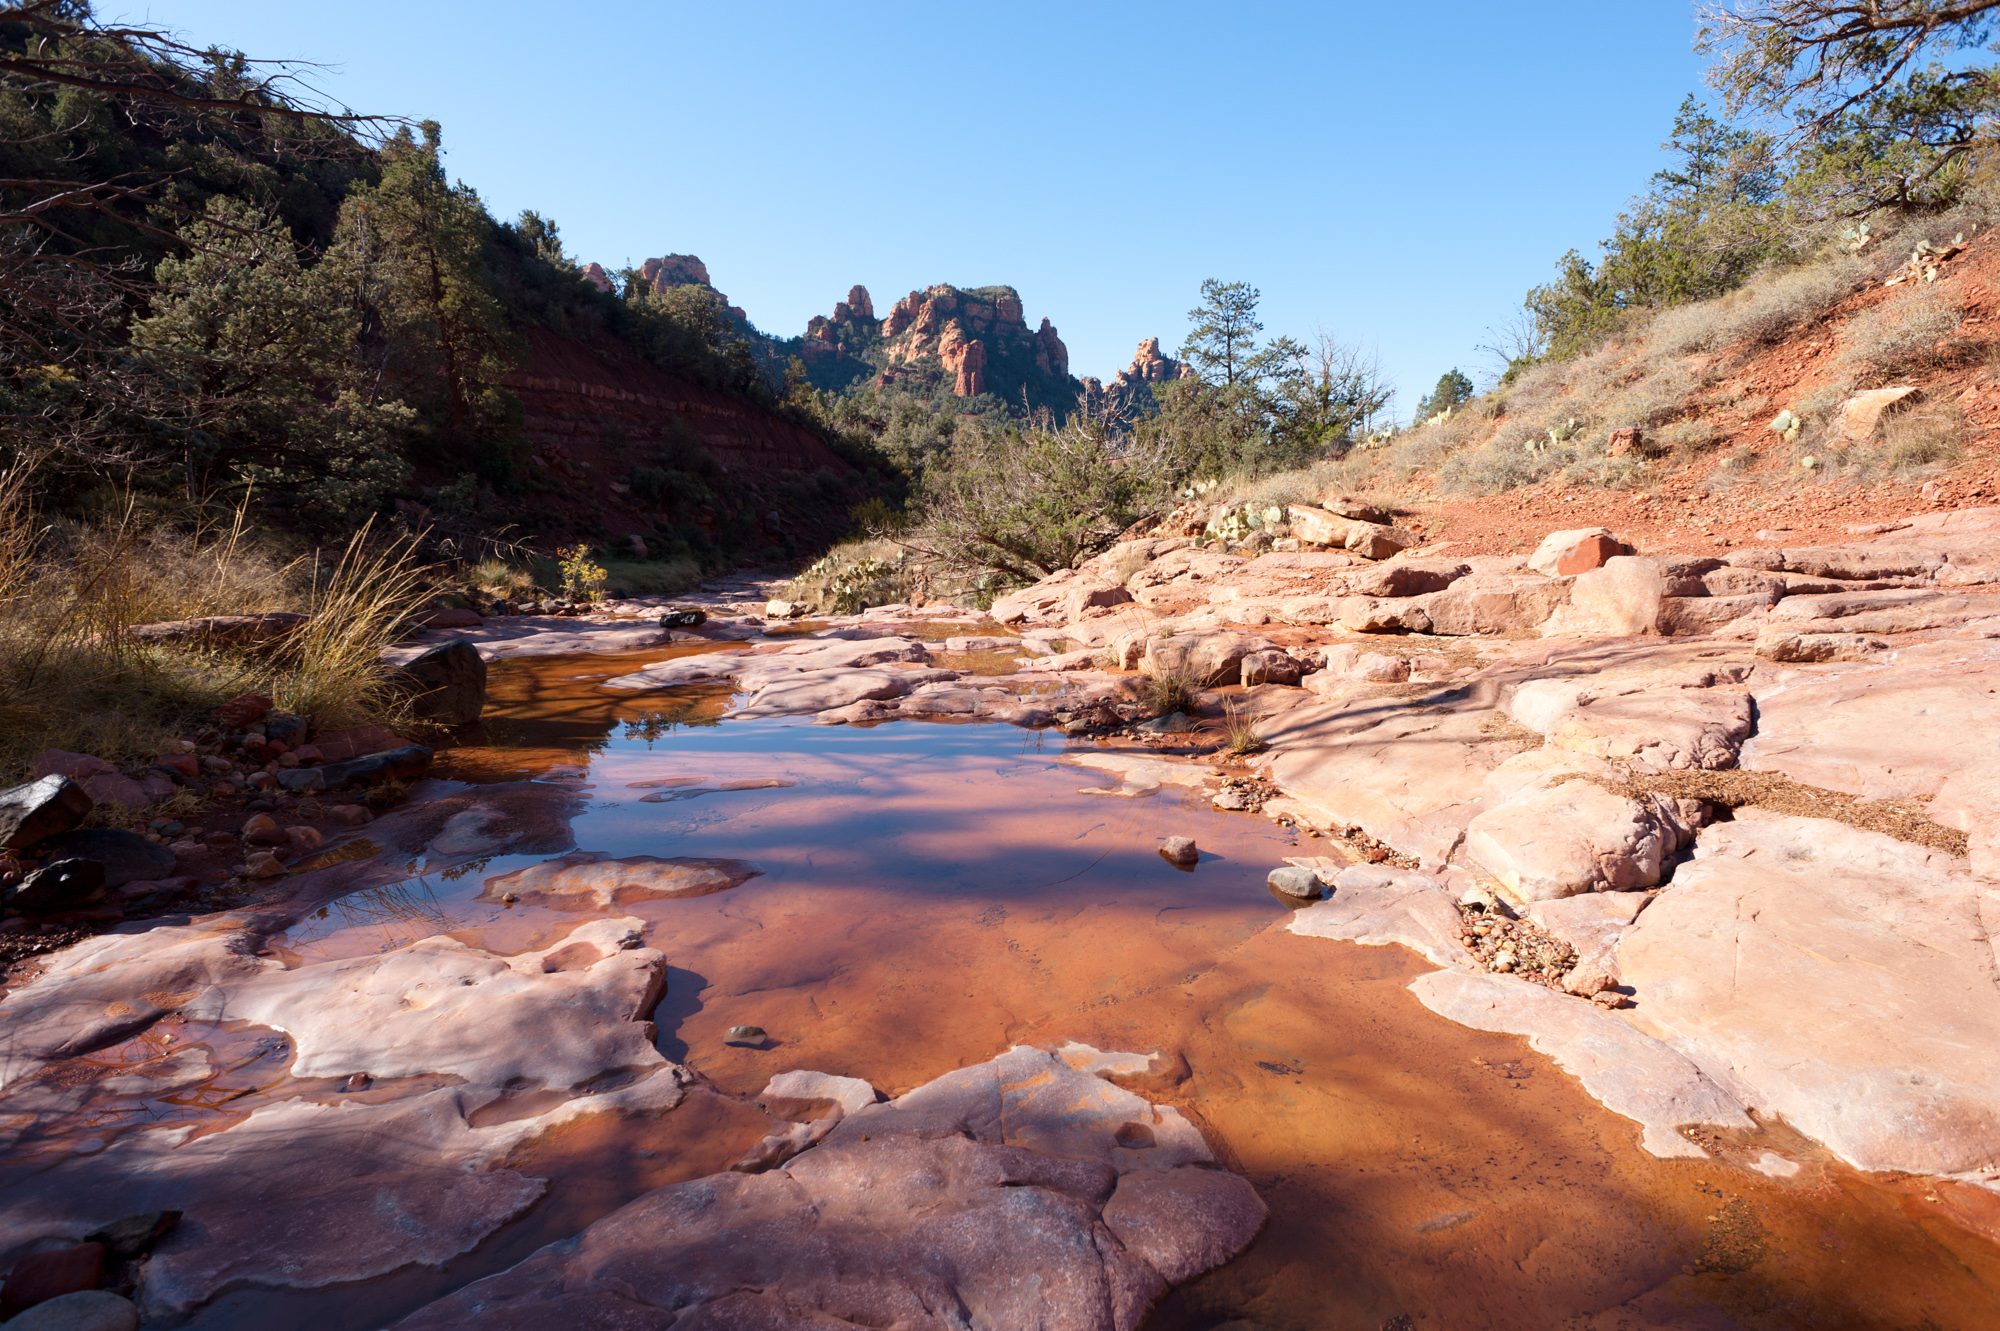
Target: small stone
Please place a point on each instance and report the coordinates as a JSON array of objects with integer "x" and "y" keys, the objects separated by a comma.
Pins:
[
  {"x": 1479, "y": 897},
  {"x": 358, "y": 1081},
  {"x": 263, "y": 864},
  {"x": 348, "y": 815},
  {"x": 1294, "y": 881},
  {"x": 242, "y": 711},
  {"x": 85, "y": 1310},
  {"x": 1180, "y": 850},
  {"x": 1231, "y": 799},
  {"x": 262, "y": 830},
  {"x": 745, "y": 1037},
  {"x": 1504, "y": 960},
  {"x": 303, "y": 839}
]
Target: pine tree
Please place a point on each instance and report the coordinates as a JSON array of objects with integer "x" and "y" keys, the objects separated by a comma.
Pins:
[
  {"x": 411, "y": 247},
  {"x": 261, "y": 352}
]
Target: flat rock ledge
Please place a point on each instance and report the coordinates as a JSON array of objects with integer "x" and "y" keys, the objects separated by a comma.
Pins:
[{"x": 1024, "y": 1191}]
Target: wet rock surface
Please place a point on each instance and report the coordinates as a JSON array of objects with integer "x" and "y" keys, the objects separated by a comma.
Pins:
[
  {"x": 1020, "y": 1192},
  {"x": 1504, "y": 784}
]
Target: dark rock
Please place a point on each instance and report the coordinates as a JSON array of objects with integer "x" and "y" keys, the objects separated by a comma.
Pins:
[
  {"x": 85, "y": 1310},
  {"x": 447, "y": 684},
  {"x": 40, "y": 810},
  {"x": 42, "y": 1276},
  {"x": 683, "y": 619},
  {"x": 398, "y": 764},
  {"x": 125, "y": 857},
  {"x": 245, "y": 710},
  {"x": 135, "y": 1235},
  {"x": 284, "y": 728},
  {"x": 58, "y": 886}
]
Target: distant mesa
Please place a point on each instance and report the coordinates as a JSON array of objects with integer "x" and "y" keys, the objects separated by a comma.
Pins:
[{"x": 937, "y": 342}]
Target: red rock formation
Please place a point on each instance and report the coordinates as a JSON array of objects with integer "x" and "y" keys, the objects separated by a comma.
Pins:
[
  {"x": 964, "y": 358},
  {"x": 1051, "y": 356},
  {"x": 859, "y": 302},
  {"x": 1149, "y": 366},
  {"x": 594, "y": 274},
  {"x": 674, "y": 270}
]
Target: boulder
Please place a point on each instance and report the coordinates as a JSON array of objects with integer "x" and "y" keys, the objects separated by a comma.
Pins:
[
  {"x": 1662, "y": 718},
  {"x": 779, "y": 608},
  {"x": 1094, "y": 596},
  {"x": 404, "y": 764},
  {"x": 125, "y": 857},
  {"x": 1208, "y": 659},
  {"x": 1619, "y": 599},
  {"x": 446, "y": 684},
  {"x": 1565, "y": 837},
  {"x": 1347, "y": 660},
  {"x": 1370, "y": 540},
  {"x": 39, "y": 810},
  {"x": 1270, "y": 666},
  {"x": 1401, "y": 577},
  {"x": 85, "y": 1310},
  {"x": 1295, "y": 881},
  {"x": 1493, "y": 602},
  {"x": 1860, "y": 417},
  {"x": 1180, "y": 850},
  {"x": 58, "y": 886},
  {"x": 1579, "y": 550},
  {"x": 804, "y": 1094},
  {"x": 50, "y": 1274}
]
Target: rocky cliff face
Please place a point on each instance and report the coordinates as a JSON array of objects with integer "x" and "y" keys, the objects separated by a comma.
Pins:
[
  {"x": 943, "y": 339},
  {"x": 1129, "y": 395},
  {"x": 939, "y": 342},
  {"x": 622, "y": 448}
]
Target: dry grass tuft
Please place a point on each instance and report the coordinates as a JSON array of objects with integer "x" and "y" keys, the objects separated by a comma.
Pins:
[
  {"x": 1242, "y": 735},
  {"x": 331, "y": 667},
  {"x": 1913, "y": 333},
  {"x": 73, "y": 676},
  {"x": 1170, "y": 685}
]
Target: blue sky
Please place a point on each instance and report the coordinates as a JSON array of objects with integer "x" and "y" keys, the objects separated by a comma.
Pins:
[{"x": 1397, "y": 176}]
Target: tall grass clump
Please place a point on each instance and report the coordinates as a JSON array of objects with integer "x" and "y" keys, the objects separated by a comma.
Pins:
[
  {"x": 73, "y": 674},
  {"x": 330, "y": 667},
  {"x": 1170, "y": 684}
]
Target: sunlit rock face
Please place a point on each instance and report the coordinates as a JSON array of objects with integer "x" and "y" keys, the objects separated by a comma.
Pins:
[{"x": 1024, "y": 1191}]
